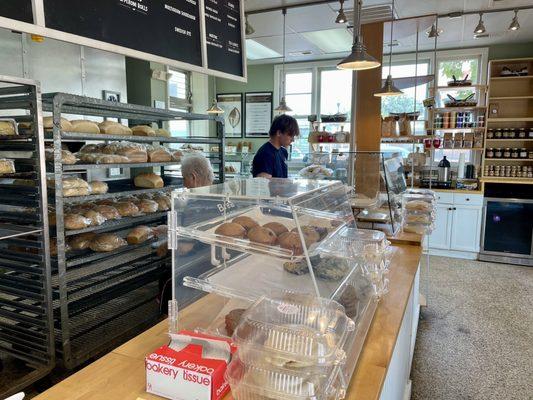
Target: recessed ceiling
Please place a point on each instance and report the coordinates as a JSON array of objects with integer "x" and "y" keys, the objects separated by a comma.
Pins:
[{"x": 312, "y": 33}]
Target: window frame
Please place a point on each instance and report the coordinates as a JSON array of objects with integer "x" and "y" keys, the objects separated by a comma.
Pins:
[{"x": 183, "y": 104}]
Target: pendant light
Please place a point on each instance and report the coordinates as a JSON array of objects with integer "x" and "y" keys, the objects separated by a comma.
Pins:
[
  {"x": 341, "y": 16},
  {"x": 480, "y": 28},
  {"x": 282, "y": 108},
  {"x": 433, "y": 32},
  {"x": 514, "y": 23},
  {"x": 359, "y": 59},
  {"x": 215, "y": 109},
  {"x": 249, "y": 29},
  {"x": 388, "y": 88}
]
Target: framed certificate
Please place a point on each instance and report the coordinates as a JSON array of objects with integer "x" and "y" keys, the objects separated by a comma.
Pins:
[
  {"x": 258, "y": 112},
  {"x": 231, "y": 103}
]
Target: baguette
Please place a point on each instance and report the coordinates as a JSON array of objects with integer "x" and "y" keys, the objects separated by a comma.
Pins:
[{"x": 148, "y": 181}]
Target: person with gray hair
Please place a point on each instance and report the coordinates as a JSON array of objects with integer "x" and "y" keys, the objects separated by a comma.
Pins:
[{"x": 196, "y": 171}]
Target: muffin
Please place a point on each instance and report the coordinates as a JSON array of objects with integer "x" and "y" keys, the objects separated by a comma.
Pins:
[
  {"x": 231, "y": 229},
  {"x": 246, "y": 222},
  {"x": 291, "y": 241},
  {"x": 310, "y": 234},
  {"x": 276, "y": 227},
  {"x": 262, "y": 235}
]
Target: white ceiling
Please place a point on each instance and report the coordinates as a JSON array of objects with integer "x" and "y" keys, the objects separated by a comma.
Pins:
[{"x": 308, "y": 28}]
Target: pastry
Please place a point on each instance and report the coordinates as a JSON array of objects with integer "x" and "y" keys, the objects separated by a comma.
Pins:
[
  {"x": 162, "y": 132},
  {"x": 231, "y": 229},
  {"x": 109, "y": 212},
  {"x": 246, "y": 222},
  {"x": 48, "y": 123},
  {"x": 310, "y": 234},
  {"x": 113, "y": 128},
  {"x": 106, "y": 242},
  {"x": 331, "y": 269},
  {"x": 350, "y": 301},
  {"x": 163, "y": 202},
  {"x": 159, "y": 154},
  {"x": 6, "y": 166},
  {"x": 276, "y": 227},
  {"x": 98, "y": 187},
  {"x": 291, "y": 241},
  {"x": 139, "y": 235},
  {"x": 147, "y": 206},
  {"x": 232, "y": 319},
  {"x": 95, "y": 217},
  {"x": 297, "y": 268},
  {"x": 7, "y": 128},
  {"x": 76, "y": 221},
  {"x": 148, "y": 181},
  {"x": 143, "y": 130},
  {"x": 84, "y": 126},
  {"x": 262, "y": 235},
  {"x": 126, "y": 208},
  {"x": 81, "y": 241}
]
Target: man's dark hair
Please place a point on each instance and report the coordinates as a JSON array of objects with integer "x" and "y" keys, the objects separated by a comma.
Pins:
[{"x": 285, "y": 124}]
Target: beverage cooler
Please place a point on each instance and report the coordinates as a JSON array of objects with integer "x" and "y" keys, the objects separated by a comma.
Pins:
[{"x": 289, "y": 247}]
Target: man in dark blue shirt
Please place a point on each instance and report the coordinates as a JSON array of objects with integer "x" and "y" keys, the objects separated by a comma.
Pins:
[{"x": 270, "y": 161}]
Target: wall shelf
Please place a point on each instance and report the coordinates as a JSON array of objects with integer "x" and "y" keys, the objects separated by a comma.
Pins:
[
  {"x": 509, "y": 140},
  {"x": 512, "y": 78},
  {"x": 497, "y": 179},
  {"x": 509, "y": 159},
  {"x": 514, "y": 119},
  {"x": 511, "y": 98}
]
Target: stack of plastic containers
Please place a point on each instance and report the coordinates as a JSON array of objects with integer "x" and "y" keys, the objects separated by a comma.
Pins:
[
  {"x": 418, "y": 211},
  {"x": 290, "y": 346}
]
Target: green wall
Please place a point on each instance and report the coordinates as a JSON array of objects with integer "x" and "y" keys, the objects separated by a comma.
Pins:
[
  {"x": 511, "y": 50},
  {"x": 260, "y": 78}
]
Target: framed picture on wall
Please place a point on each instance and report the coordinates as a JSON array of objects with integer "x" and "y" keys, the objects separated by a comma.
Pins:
[
  {"x": 258, "y": 112},
  {"x": 231, "y": 103}
]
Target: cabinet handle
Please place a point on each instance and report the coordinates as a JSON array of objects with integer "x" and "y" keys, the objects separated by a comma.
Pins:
[
  {"x": 450, "y": 209},
  {"x": 467, "y": 199},
  {"x": 455, "y": 208}
]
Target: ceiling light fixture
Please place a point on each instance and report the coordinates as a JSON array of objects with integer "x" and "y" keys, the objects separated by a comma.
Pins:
[
  {"x": 388, "y": 88},
  {"x": 359, "y": 59},
  {"x": 434, "y": 32},
  {"x": 215, "y": 109},
  {"x": 249, "y": 29},
  {"x": 480, "y": 28},
  {"x": 282, "y": 108},
  {"x": 514, "y": 23},
  {"x": 341, "y": 16}
]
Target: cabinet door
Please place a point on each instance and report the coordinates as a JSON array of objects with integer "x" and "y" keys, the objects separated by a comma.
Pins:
[
  {"x": 466, "y": 228},
  {"x": 440, "y": 237}
]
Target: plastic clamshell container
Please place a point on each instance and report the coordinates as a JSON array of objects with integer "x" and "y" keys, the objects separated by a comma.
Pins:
[
  {"x": 424, "y": 192},
  {"x": 407, "y": 197},
  {"x": 256, "y": 381},
  {"x": 355, "y": 244},
  {"x": 295, "y": 329}
]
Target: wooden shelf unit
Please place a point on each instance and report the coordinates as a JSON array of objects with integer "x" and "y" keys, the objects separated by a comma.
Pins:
[{"x": 514, "y": 97}]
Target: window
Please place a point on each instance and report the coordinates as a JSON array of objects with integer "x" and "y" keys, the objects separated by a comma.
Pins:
[
  {"x": 298, "y": 92},
  {"x": 335, "y": 91},
  {"x": 461, "y": 68},
  {"x": 178, "y": 100}
]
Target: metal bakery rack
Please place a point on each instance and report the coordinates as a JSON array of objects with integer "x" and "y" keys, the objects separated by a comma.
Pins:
[
  {"x": 26, "y": 336},
  {"x": 102, "y": 299},
  {"x": 323, "y": 255}
]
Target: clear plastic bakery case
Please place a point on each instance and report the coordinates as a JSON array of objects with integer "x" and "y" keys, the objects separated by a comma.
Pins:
[{"x": 249, "y": 238}]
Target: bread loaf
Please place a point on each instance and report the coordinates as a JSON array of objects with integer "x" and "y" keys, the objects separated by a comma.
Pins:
[
  {"x": 70, "y": 183},
  {"x": 262, "y": 235},
  {"x": 143, "y": 130},
  {"x": 88, "y": 158},
  {"x": 67, "y": 157},
  {"x": 95, "y": 217},
  {"x": 25, "y": 125},
  {"x": 109, "y": 212},
  {"x": 177, "y": 155},
  {"x": 113, "y": 128},
  {"x": 7, "y": 128},
  {"x": 159, "y": 154},
  {"x": 162, "y": 132},
  {"x": 81, "y": 208},
  {"x": 147, "y": 206},
  {"x": 162, "y": 250},
  {"x": 111, "y": 159},
  {"x": 148, "y": 181},
  {"x": 98, "y": 187},
  {"x": 127, "y": 208},
  {"x": 163, "y": 202},
  {"x": 6, "y": 166},
  {"x": 140, "y": 234},
  {"x": 48, "y": 123},
  {"x": 92, "y": 148},
  {"x": 81, "y": 241},
  {"x": 160, "y": 231},
  {"x": 107, "y": 242},
  {"x": 76, "y": 221},
  {"x": 133, "y": 154},
  {"x": 74, "y": 192},
  {"x": 84, "y": 126}
]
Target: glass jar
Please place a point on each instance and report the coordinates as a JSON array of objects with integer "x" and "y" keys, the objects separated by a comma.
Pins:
[
  {"x": 530, "y": 155},
  {"x": 498, "y": 134},
  {"x": 530, "y": 134},
  {"x": 523, "y": 152},
  {"x": 489, "y": 153},
  {"x": 490, "y": 134},
  {"x": 513, "y": 133},
  {"x": 498, "y": 153},
  {"x": 515, "y": 152},
  {"x": 505, "y": 133},
  {"x": 507, "y": 152},
  {"x": 522, "y": 133}
]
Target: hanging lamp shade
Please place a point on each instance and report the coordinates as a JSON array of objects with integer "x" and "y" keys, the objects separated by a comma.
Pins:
[
  {"x": 249, "y": 29},
  {"x": 359, "y": 59},
  {"x": 388, "y": 89},
  {"x": 283, "y": 107},
  {"x": 215, "y": 109}
]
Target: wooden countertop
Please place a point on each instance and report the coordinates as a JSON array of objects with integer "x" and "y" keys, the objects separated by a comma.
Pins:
[{"x": 121, "y": 375}]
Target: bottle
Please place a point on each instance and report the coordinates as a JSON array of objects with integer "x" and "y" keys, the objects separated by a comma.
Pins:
[{"x": 444, "y": 170}]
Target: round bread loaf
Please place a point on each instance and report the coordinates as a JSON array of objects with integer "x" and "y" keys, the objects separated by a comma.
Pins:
[
  {"x": 231, "y": 229},
  {"x": 81, "y": 241},
  {"x": 260, "y": 234},
  {"x": 276, "y": 227},
  {"x": 147, "y": 206},
  {"x": 95, "y": 217},
  {"x": 310, "y": 234},
  {"x": 232, "y": 319},
  {"x": 246, "y": 222},
  {"x": 291, "y": 241}
]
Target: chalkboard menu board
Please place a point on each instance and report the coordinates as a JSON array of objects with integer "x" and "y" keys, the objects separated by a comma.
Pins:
[
  {"x": 166, "y": 28},
  {"x": 223, "y": 35},
  {"x": 17, "y": 9}
]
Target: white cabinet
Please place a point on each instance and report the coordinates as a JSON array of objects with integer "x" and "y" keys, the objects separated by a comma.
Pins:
[
  {"x": 457, "y": 225},
  {"x": 466, "y": 228}
]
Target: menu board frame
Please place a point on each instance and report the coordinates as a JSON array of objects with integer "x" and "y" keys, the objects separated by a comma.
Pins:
[{"x": 39, "y": 28}]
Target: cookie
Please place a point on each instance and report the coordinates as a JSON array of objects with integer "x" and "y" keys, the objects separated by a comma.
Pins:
[{"x": 296, "y": 268}]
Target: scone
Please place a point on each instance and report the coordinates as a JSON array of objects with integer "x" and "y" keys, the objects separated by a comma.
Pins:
[
  {"x": 231, "y": 229},
  {"x": 246, "y": 222},
  {"x": 262, "y": 235},
  {"x": 296, "y": 268},
  {"x": 276, "y": 227}
]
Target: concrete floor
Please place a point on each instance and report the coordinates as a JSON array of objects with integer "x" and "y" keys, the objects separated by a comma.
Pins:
[{"x": 475, "y": 338}]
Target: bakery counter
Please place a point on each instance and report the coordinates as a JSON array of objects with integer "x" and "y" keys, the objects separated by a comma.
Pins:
[{"x": 381, "y": 373}]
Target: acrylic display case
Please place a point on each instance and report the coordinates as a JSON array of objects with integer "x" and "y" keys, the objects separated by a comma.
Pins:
[{"x": 256, "y": 237}]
